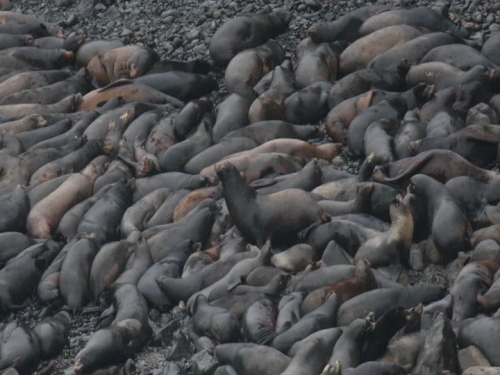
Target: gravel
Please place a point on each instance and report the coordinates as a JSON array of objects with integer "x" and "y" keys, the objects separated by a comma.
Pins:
[{"x": 181, "y": 30}]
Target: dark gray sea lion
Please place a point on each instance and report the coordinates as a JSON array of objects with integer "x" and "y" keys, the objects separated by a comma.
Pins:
[
  {"x": 71, "y": 43},
  {"x": 318, "y": 65},
  {"x": 12, "y": 244},
  {"x": 488, "y": 301},
  {"x": 267, "y": 209},
  {"x": 66, "y": 105},
  {"x": 197, "y": 66},
  {"x": 318, "y": 319},
  {"x": 165, "y": 213},
  {"x": 103, "y": 219},
  {"x": 288, "y": 311},
  {"x": 413, "y": 50},
  {"x": 252, "y": 359},
  {"x": 345, "y": 27},
  {"x": 482, "y": 114},
  {"x": 112, "y": 345},
  {"x": 411, "y": 129},
  {"x": 380, "y": 301},
  {"x": 215, "y": 322},
  {"x": 142, "y": 261},
  {"x": 308, "y": 105},
  {"x": 482, "y": 333},
  {"x": 11, "y": 41},
  {"x": 19, "y": 349},
  {"x": 190, "y": 116},
  {"x": 247, "y": 68},
  {"x": 31, "y": 138},
  {"x": 246, "y": 31},
  {"x": 52, "y": 334},
  {"x": 31, "y": 122},
  {"x": 362, "y": 51},
  {"x": 170, "y": 266},
  {"x": 45, "y": 216},
  {"x": 490, "y": 48},
  {"x": 41, "y": 58},
  {"x": 75, "y": 272},
  {"x": 360, "y": 204},
  {"x": 32, "y": 80},
  {"x": 181, "y": 85},
  {"x": 461, "y": 56},
  {"x": 446, "y": 212},
  {"x": 419, "y": 17},
  {"x": 259, "y": 321},
  {"x": 476, "y": 143},
  {"x": 347, "y": 349},
  {"x": 14, "y": 210},
  {"x": 232, "y": 114},
  {"x": 122, "y": 301},
  {"x": 378, "y": 139}
]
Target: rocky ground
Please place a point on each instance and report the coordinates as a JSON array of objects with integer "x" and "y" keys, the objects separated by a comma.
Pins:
[{"x": 181, "y": 30}]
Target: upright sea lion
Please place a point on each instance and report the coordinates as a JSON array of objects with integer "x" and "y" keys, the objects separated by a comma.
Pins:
[
  {"x": 247, "y": 68},
  {"x": 345, "y": 27},
  {"x": 411, "y": 129},
  {"x": 362, "y": 51},
  {"x": 461, "y": 56},
  {"x": 272, "y": 222},
  {"x": 419, "y": 17},
  {"x": 246, "y": 31}
]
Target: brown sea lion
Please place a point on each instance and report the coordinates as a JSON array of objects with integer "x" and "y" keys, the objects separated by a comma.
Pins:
[
  {"x": 361, "y": 52},
  {"x": 66, "y": 105},
  {"x": 92, "y": 48},
  {"x": 30, "y": 122},
  {"x": 32, "y": 80},
  {"x": 246, "y": 31}
]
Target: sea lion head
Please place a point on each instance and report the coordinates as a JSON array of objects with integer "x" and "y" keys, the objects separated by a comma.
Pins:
[
  {"x": 414, "y": 145},
  {"x": 28, "y": 40},
  {"x": 282, "y": 19}
]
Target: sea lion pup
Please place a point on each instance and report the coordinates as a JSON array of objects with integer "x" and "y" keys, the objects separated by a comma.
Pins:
[
  {"x": 460, "y": 56},
  {"x": 362, "y": 51},
  {"x": 476, "y": 143},
  {"x": 271, "y": 216},
  {"x": 413, "y": 50},
  {"x": 318, "y": 65},
  {"x": 345, "y": 27},
  {"x": 364, "y": 80},
  {"x": 388, "y": 251},
  {"x": 122, "y": 62},
  {"x": 246, "y": 31},
  {"x": 411, "y": 129},
  {"x": 421, "y": 16},
  {"x": 361, "y": 280},
  {"x": 247, "y": 68},
  {"x": 449, "y": 228},
  {"x": 112, "y": 345}
]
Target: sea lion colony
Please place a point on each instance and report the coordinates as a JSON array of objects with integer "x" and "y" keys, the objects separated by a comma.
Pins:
[{"x": 124, "y": 191}]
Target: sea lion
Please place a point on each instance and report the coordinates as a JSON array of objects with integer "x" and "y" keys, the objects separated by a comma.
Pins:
[
  {"x": 482, "y": 114},
  {"x": 443, "y": 208},
  {"x": 318, "y": 319},
  {"x": 345, "y": 27},
  {"x": 461, "y": 56},
  {"x": 308, "y": 105},
  {"x": 122, "y": 301},
  {"x": 232, "y": 114},
  {"x": 12, "y": 244},
  {"x": 165, "y": 213},
  {"x": 121, "y": 62},
  {"x": 71, "y": 43},
  {"x": 44, "y": 217},
  {"x": 476, "y": 143},
  {"x": 247, "y": 68},
  {"x": 378, "y": 139},
  {"x": 252, "y": 359},
  {"x": 112, "y": 345},
  {"x": 190, "y": 116},
  {"x": 391, "y": 248},
  {"x": 288, "y": 311},
  {"x": 66, "y": 105},
  {"x": 380, "y": 301},
  {"x": 27, "y": 123},
  {"x": 482, "y": 333},
  {"x": 193, "y": 199},
  {"x": 246, "y": 31},
  {"x": 318, "y": 65},
  {"x": 411, "y": 129},
  {"x": 11, "y": 41},
  {"x": 52, "y": 334},
  {"x": 180, "y": 85},
  {"x": 141, "y": 127},
  {"x": 362, "y": 51},
  {"x": 259, "y": 321},
  {"x": 362, "y": 82},
  {"x": 92, "y": 48},
  {"x": 413, "y": 51},
  {"x": 32, "y": 80},
  {"x": 310, "y": 359},
  {"x": 20, "y": 348},
  {"x": 197, "y": 66},
  {"x": 490, "y": 49},
  {"x": 419, "y": 17},
  {"x": 347, "y": 349},
  {"x": 41, "y": 58},
  {"x": 295, "y": 258},
  {"x": 268, "y": 212},
  {"x": 360, "y": 204},
  {"x": 14, "y": 210},
  {"x": 469, "y": 288},
  {"x": 431, "y": 163}
]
